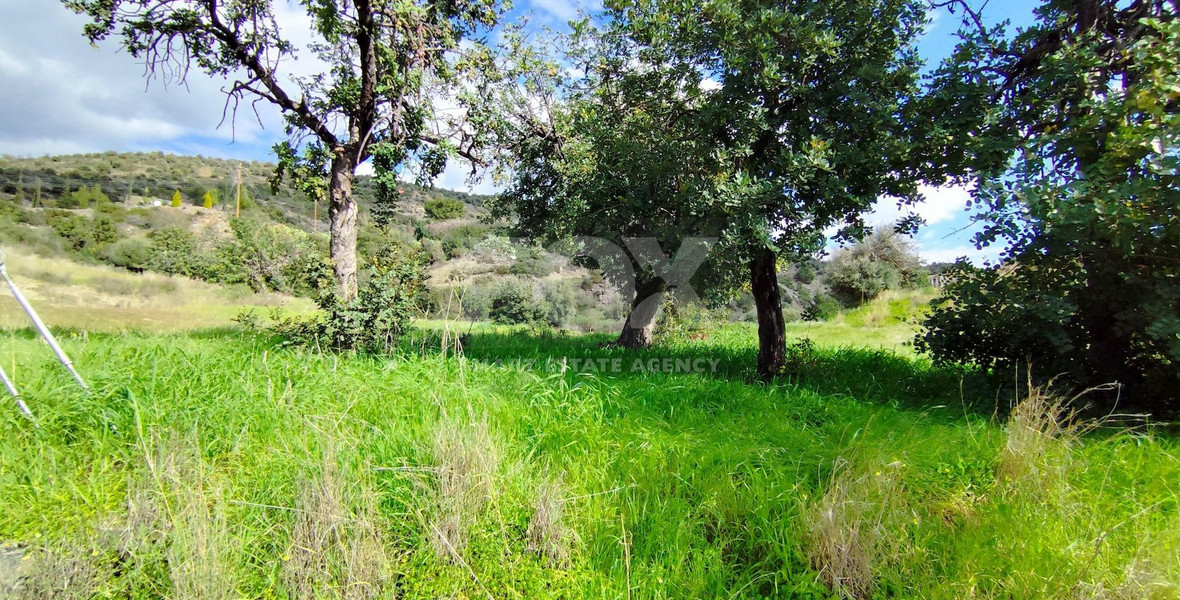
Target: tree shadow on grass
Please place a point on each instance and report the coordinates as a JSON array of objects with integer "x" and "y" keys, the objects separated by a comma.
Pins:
[{"x": 877, "y": 376}]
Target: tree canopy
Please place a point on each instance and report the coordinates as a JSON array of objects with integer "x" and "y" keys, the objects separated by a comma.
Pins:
[{"x": 386, "y": 64}]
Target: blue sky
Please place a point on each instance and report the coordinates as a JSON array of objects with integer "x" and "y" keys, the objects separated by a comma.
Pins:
[{"x": 64, "y": 96}]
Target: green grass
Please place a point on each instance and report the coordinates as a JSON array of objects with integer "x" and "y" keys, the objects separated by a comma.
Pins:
[{"x": 220, "y": 463}]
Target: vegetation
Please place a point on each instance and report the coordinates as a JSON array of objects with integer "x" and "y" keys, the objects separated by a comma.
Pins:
[
  {"x": 360, "y": 451},
  {"x": 1088, "y": 282},
  {"x": 882, "y": 261},
  {"x": 444, "y": 208},
  {"x": 287, "y": 472}
]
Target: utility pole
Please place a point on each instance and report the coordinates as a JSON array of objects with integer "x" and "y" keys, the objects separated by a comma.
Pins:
[{"x": 238, "y": 210}]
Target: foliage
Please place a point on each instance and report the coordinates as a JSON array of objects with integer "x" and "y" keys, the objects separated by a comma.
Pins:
[
  {"x": 515, "y": 303},
  {"x": 133, "y": 254},
  {"x": 374, "y": 321},
  {"x": 173, "y": 251},
  {"x": 274, "y": 257},
  {"x": 444, "y": 208},
  {"x": 177, "y": 200},
  {"x": 83, "y": 197},
  {"x": 882, "y": 261},
  {"x": 210, "y": 199},
  {"x": 1088, "y": 282},
  {"x": 83, "y": 234},
  {"x": 822, "y": 308},
  {"x": 805, "y": 273}
]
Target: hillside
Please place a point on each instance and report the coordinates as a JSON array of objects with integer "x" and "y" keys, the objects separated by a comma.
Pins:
[
  {"x": 178, "y": 216},
  {"x": 137, "y": 179}
]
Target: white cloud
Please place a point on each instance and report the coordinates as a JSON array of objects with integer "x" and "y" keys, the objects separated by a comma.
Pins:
[
  {"x": 62, "y": 95},
  {"x": 954, "y": 253},
  {"x": 709, "y": 84},
  {"x": 941, "y": 204}
]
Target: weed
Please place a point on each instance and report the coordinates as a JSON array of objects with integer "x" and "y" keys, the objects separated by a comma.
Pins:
[
  {"x": 334, "y": 547},
  {"x": 548, "y": 534},
  {"x": 466, "y": 462}
]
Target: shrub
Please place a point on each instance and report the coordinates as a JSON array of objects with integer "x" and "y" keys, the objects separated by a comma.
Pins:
[
  {"x": 444, "y": 208},
  {"x": 374, "y": 321},
  {"x": 174, "y": 251},
  {"x": 515, "y": 304},
  {"x": 822, "y": 308},
  {"x": 177, "y": 201},
  {"x": 804, "y": 273},
  {"x": 457, "y": 241},
  {"x": 133, "y": 254},
  {"x": 879, "y": 262}
]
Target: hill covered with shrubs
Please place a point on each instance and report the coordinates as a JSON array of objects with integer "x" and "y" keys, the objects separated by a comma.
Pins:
[{"x": 188, "y": 216}]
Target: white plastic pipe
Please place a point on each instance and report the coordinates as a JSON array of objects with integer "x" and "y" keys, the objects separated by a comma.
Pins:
[
  {"x": 40, "y": 325},
  {"x": 15, "y": 394}
]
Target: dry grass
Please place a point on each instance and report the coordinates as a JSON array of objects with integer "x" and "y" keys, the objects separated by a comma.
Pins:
[
  {"x": 335, "y": 548},
  {"x": 198, "y": 548},
  {"x": 103, "y": 298},
  {"x": 1041, "y": 429},
  {"x": 848, "y": 539},
  {"x": 466, "y": 463},
  {"x": 62, "y": 574},
  {"x": 547, "y": 533}
]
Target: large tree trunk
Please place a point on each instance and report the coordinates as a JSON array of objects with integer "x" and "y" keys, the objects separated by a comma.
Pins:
[
  {"x": 772, "y": 335},
  {"x": 639, "y": 330},
  {"x": 1109, "y": 346},
  {"x": 342, "y": 213}
]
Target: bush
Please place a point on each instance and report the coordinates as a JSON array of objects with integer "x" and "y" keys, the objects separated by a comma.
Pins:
[
  {"x": 804, "y": 273},
  {"x": 822, "y": 308},
  {"x": 1003, "y": 317},
  {"x": 133, "y": 254},
  {"x": 879, "y": 262},
  {"x": 444, "y": 208},
  {"x": 173, "y": 251},
  {"x": 515, "y": 304},
  {"x": 374, "y": 321},
  {"x": 457, "y": 241}
]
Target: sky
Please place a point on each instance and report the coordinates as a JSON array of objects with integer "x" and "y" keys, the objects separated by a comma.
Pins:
[{"x": 61, "y": 96}]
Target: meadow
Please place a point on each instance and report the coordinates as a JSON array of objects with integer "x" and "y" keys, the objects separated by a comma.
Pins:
[
  {"x": 492, "y": 463},
  {"x": 93, "y": 297}
]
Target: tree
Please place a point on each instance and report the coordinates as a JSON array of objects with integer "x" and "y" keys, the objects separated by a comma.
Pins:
[
  {"x": 614, "y": 155},
  {"x": 1084, "y": 118},
  {"x": 387, "y": 61},
  {"x": 815, "y": 117},
  {"x": 209, "y": 199},
  {"x": 177, "y": 201}
]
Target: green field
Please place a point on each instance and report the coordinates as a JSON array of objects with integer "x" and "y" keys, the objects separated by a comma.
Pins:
[{"x": 219, "y": 464}]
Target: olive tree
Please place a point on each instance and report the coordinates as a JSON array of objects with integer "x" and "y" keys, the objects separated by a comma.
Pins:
[{"x": 386, "y": 63}]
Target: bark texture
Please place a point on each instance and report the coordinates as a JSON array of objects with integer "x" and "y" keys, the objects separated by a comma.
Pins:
[
  {"x": 772, "y": 336},
  {"x": 342, "y": 213},
  {"x": 639, "y": 330}
]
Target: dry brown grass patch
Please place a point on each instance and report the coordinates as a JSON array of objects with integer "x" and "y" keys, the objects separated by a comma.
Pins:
[
  {"x": 466, "y": 463},
  {"x": 547, "y": 533},
  {"x": 847, "y": 538},
  {"x": 334, "y": 546}
]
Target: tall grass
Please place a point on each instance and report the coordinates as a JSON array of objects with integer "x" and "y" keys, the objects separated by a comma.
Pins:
[{"x": 863, "y": 474}]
